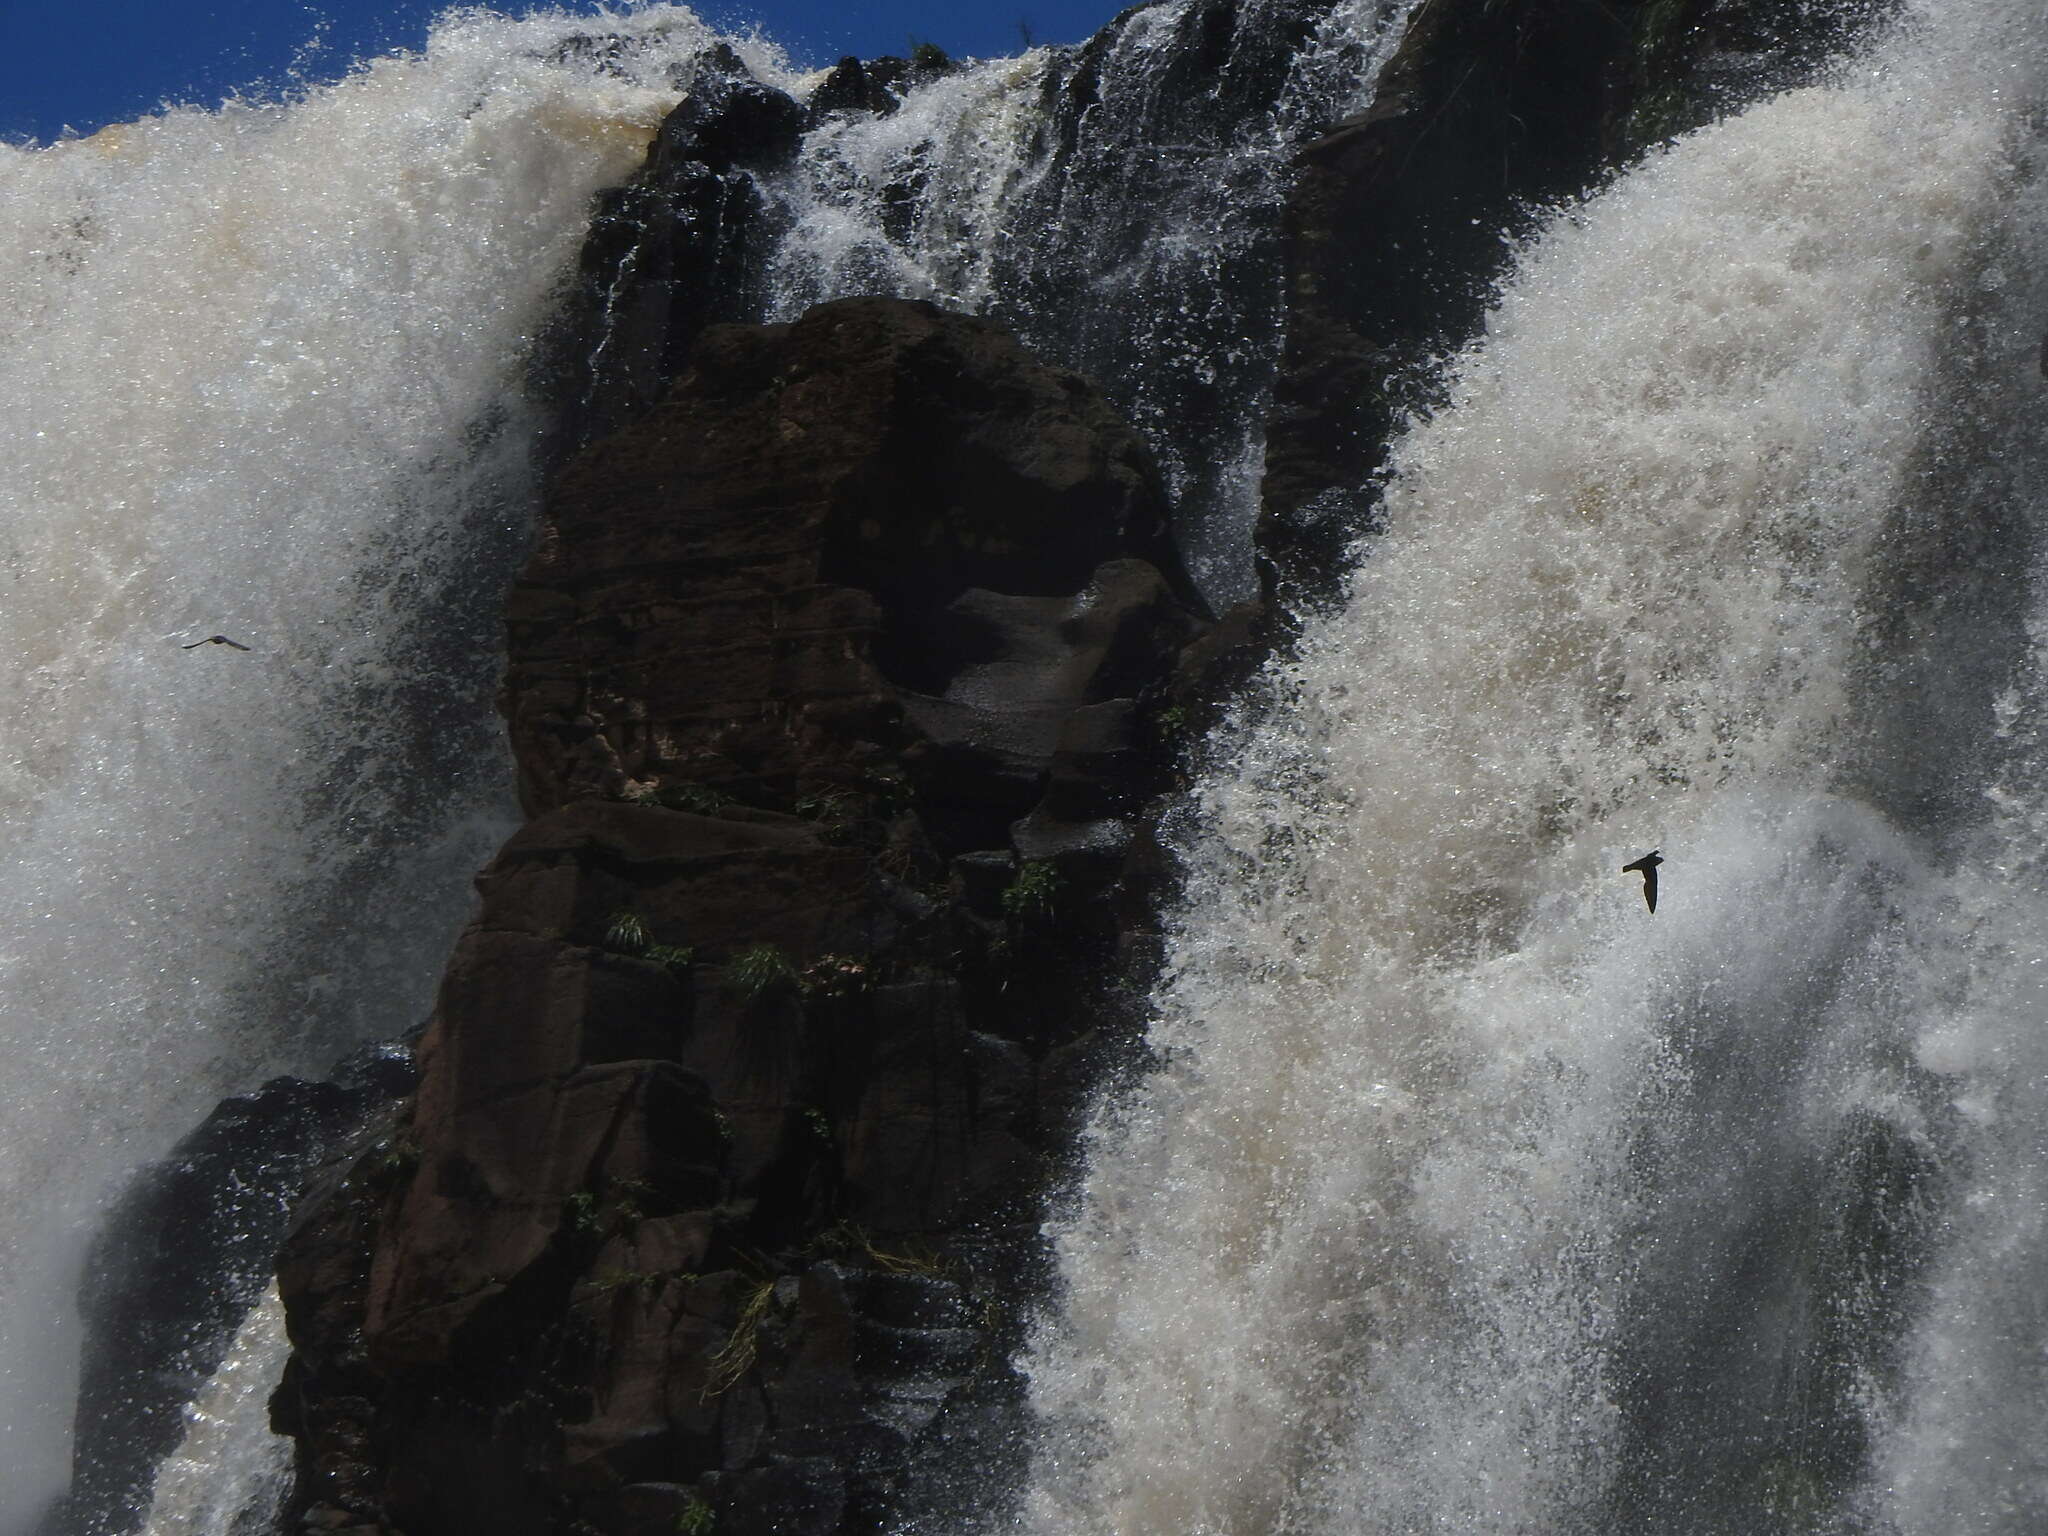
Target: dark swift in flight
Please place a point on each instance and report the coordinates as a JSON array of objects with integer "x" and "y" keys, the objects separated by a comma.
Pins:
[
  {"x": 214, "y": 640},
  {"x": 1646, "y": 866}
]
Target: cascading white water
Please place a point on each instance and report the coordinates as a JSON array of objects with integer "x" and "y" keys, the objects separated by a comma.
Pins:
[
  {"x": 1468, "y": 1195},
  {"x": 228, "y": 1467},
  {"x": 1130, "y": 233},
  {"x": 261, "y": 374}
]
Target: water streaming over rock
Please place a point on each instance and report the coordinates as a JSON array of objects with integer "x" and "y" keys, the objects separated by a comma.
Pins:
[
  {"x": 228, "y": 1475},
  {"x": 1468, "y": 1195},
  {"x": 1118, "y": 207},
  {"x": 260, "y": 374}
]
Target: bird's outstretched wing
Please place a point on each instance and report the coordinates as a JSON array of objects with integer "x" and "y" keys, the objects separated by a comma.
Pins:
[
  {"x": 214, "y": 640},
  {"x": 1646, "y": 866}
]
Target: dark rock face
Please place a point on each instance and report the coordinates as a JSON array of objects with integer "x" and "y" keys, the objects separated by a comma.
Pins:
[
  {"x": 1181, "y": 119},
  {"x": 916, "y": 458},
  {"x": 832, "y": 687},
  {"x": 675, "y": 249},
  {"x": 854, "y": 87},
  {"x": 1396, "y": 228},
  {"x": 184, "y": 1254}
]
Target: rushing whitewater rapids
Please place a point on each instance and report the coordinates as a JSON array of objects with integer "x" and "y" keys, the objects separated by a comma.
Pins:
[{"x": 1469, "y": 1196}]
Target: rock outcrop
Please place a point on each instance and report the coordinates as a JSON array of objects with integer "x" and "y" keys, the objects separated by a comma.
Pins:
[
  {"x": 678, "y": 247},
  {"x": 832, "y": 686}
]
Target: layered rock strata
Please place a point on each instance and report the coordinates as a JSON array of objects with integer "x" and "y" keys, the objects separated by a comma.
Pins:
[{"x": 834, "y": 686}]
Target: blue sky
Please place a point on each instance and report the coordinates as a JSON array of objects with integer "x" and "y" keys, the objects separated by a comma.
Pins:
[{"x": 90, "y": 65}]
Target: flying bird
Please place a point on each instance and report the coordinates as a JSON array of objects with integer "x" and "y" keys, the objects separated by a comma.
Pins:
[
  {"x": 214, "y": 640},
  {"x": 1646, "y": 866}
]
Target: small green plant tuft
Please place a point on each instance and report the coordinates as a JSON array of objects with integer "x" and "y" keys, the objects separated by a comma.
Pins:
[
  {"x": 837, "y": 814},
  {"x": 676, "y": 957},
  {"x": 397, "y": 1158},
  {"x": 698, "y": 1518},
  {"x": 579, "y": 1213},
  {"x": 929, "y": 57},
  {"x": 826, "y": 805},
  {"x": 626, "y": 934},
  {"x": 853, "y": 1243},
  {"x": 699, "y": 799},
  {"x": 1033, "y": 892},
  {"x": 820, "y": 1127},
  {"x": 632, "y": 1197},
  {"x": 1170, "y": 723},
  {"x": 757, "y": 969},
  {"x": 742, "y": 1345}
]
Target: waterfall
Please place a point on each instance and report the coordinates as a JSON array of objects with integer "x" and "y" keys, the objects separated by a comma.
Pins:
[
  {"x": 261, "y": 375},
  {"x": 1466, "y": 1194},
  {"x": 263, "y": 370},
  {"x": 1117, "y": 207},
  {"x": 228, "y": 1475}
]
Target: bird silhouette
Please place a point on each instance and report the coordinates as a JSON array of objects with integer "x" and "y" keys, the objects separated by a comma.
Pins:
[
  {"x": 214, "y": 640},
  {"x": 1646, "y": 866}
]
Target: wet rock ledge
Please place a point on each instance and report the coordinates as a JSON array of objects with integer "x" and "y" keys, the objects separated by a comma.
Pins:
[{"x": 837, "y": 685}]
